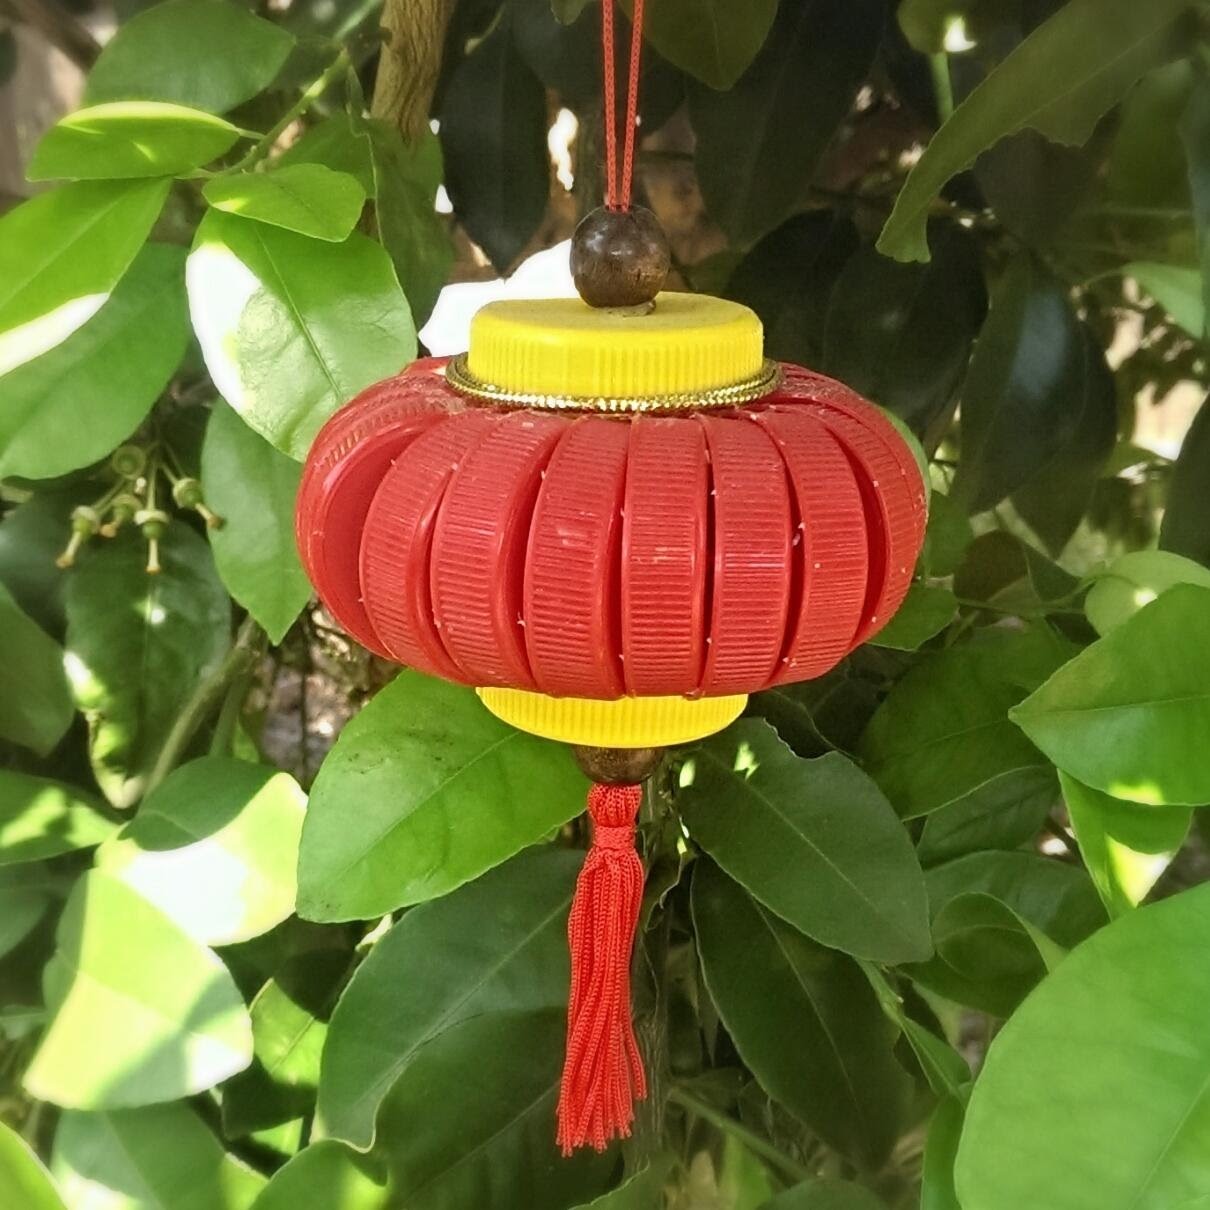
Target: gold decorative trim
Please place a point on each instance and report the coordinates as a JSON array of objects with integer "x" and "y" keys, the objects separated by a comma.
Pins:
[{"x": 458, "y": 375}]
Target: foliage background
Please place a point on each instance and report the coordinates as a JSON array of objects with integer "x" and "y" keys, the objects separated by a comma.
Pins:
[{"x": 892, "y": 949}]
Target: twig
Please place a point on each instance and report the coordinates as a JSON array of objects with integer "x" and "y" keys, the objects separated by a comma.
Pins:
[
  {"x": 60, "y": 27},
  {"x": 245, "y": 651},
  {"x": 749, "y": 1138}
]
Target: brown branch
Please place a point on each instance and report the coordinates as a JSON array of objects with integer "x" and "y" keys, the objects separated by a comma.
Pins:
[
  {"x": 59, "y": 26},
  {"x": 413, "y": 37}
]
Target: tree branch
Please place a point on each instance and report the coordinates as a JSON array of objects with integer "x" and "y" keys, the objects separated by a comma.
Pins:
[
  {"x": 414, "y": 35},
  {"x": 59, "y": 26}
]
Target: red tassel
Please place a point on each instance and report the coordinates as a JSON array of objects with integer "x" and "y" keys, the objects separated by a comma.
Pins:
[{"x": 603, "y": 1072}]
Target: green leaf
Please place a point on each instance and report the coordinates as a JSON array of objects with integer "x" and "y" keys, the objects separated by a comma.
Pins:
[
  {"x": 943, "y": 730},
  {"x": 1059, "y": 81},
  {"x": 493, "y": 135},
  {"x": 24, "y": 1182},
  {"x": 209, "y": 54},
  {"x": 758, "y": 143},
  {"x": 214, "y": 847},
  {"x": 803, "y": 1019},
  {"x": 292, "y": 327},
  {"x": 826, "y": 1195},
  {"x": 498, "y": 944},
  {"x": 307, "y": 198},
  {"x": 62, "y": 253},
  {"x": 1136, "y": 991},
  {"x": 940, "y": 1149},
  {"x": 1186, "y": 526},
  {"x": 158, "y": 1158},
  {"x": 496, "y": 1146},
  {"x": 324, "y": 1176},
  {"x": 1035, "y": 397},
  {"x": 425, "y": 790},
  {"x": 417, "y": 238},
  {"x": 1129, "y": 713},
  {"x": 926, "y": 611},
  {"x": 1177, "y": 289},
  {"x": 252, "y": 487},
  {"x": 71, "y": 406},
  {"x": 35, "y": 701},
  {"x": 339, "y": 142},
  {"x": 642, "y": 1191},
  {"x": 42, "y": 818},
  {"x": 713, "y": 40},
  {"x": 568, "y": 12},
  {"x": 1125, "y": 846},
  {"x": 130, "y": 139},
  {"x": 136, "y": 646},
  {"x": 25, "y": 894},
  {"x": 168, "y": 1015},
  {"x": 813, "y": 840},
  {"x": 1135, "y": 579},
  {"x": 1194, "y": 128},
  {"x": 901, "y": 334}
]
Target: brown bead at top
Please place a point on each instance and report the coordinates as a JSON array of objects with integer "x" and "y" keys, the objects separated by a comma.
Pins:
[
  {"x": 619, "y": 258},
  {"x": 617, "y": 766}
]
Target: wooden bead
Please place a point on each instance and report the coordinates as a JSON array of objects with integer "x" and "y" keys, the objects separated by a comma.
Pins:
[
  {"x": 618, "y": 766},
  {"x": 620, "y": 258}
]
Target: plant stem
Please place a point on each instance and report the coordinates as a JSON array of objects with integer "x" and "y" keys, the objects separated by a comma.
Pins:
[
  {"x": 245, "y": 651},
  {"x": 943, "y": 86},
  {"x": 308, "y": 97},
  {"x": 750, "y": 1139}
]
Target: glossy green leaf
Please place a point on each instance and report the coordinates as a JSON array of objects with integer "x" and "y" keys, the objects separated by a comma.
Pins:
[
  {"x": 495, "y": 1147},
  {"x": 26, "y": 892},
  {"x": 1177, "y": 289},
  {"x": 425, "y": 790},
  {"x": 24, "y": 1182},
  {"x": 340, "y": 142},
  {"x": 72, "y": 405},
  {"x": 132, "y": 668},
  {"x": 1135, "y": 579},
  {"x": 759, "y": 142},
  {"x": 1125, "y": 846},
  {"x": 712, "y": 40},
  {"x": 406, "y": 178},
  {"x": 1033, "y": 395},
  {"x": 327, "y": 1175},
  {"x": 214, "y": 847},
  {"x": 252, "y": 487},
  {"x": 31, "y": 539},
  {"x": 292, "y": 327},
  {"x": 209, "y": 54},
  {"x": 813, "y": 840},
  {"x": 171, "y": 1019},
  {"x": 1129, "y": 713},
  {"x": 567, "y": 11},
  {"x": 1137, "y": 992},
  {"x": 130, "y": 139},
  {"x": 1186, "y": 525},
  {"x": 493, "y": 136},
  {"x": 901, "y": 334},
  {"x": 62, "y": 253},
  {"x": 926, "y": 611},
  {"x": 496, "y": 945},
  {"x": 804, "y": 1019},
  {"x": 43, "y": 818},
  {"x": 940, "y": 1149},
  {"x": 158, "y": 1158},
  {"x": 943, "y": 730},
  {"x": 35, "y": 701},
  {"x": 1059, "y": 81},
  {"x": 307, "y": 198},
  {"x": 826, "y": 1195},
  {"x": 642, "y": 1191}
]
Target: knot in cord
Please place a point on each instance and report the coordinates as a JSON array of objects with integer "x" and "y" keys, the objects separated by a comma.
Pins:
[{"x": 613, "y": 810}]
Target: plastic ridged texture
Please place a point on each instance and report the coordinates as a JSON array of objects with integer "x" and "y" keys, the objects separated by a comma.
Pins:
[
  {"x": 479, "y": 544},
  {"x": 664, "y": 558},
  {"x": 572, "y": 615},
  {"x": 751, "y": 536},
  {"x": 397, "y": 542},
  {"x": 347, "y": 461},
  {"x": 602, "y": 558},
  {"x": 831, "y": 544}
]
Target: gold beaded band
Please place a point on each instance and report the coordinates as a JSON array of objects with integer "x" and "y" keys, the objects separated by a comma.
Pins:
[{"x": 465, "y": 383}]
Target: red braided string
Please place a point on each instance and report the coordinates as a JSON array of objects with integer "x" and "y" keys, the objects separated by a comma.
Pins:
[
  {"x": 603, "y": 1071},
  {"x": 617, "y": 197}
]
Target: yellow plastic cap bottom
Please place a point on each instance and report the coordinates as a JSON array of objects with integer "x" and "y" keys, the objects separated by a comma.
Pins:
[
  {"x": 563, "y": 347},
  {"x": 626, "y": 722}
]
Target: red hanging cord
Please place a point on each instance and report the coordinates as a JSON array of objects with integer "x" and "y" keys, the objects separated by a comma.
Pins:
[{"x": 617, "y": 195}]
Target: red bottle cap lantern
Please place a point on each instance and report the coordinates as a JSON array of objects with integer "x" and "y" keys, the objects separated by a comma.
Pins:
[{"x": 615, "y": 526}]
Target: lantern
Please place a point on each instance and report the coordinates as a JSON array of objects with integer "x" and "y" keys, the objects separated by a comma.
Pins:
[{"x": 615, "y": 524}]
